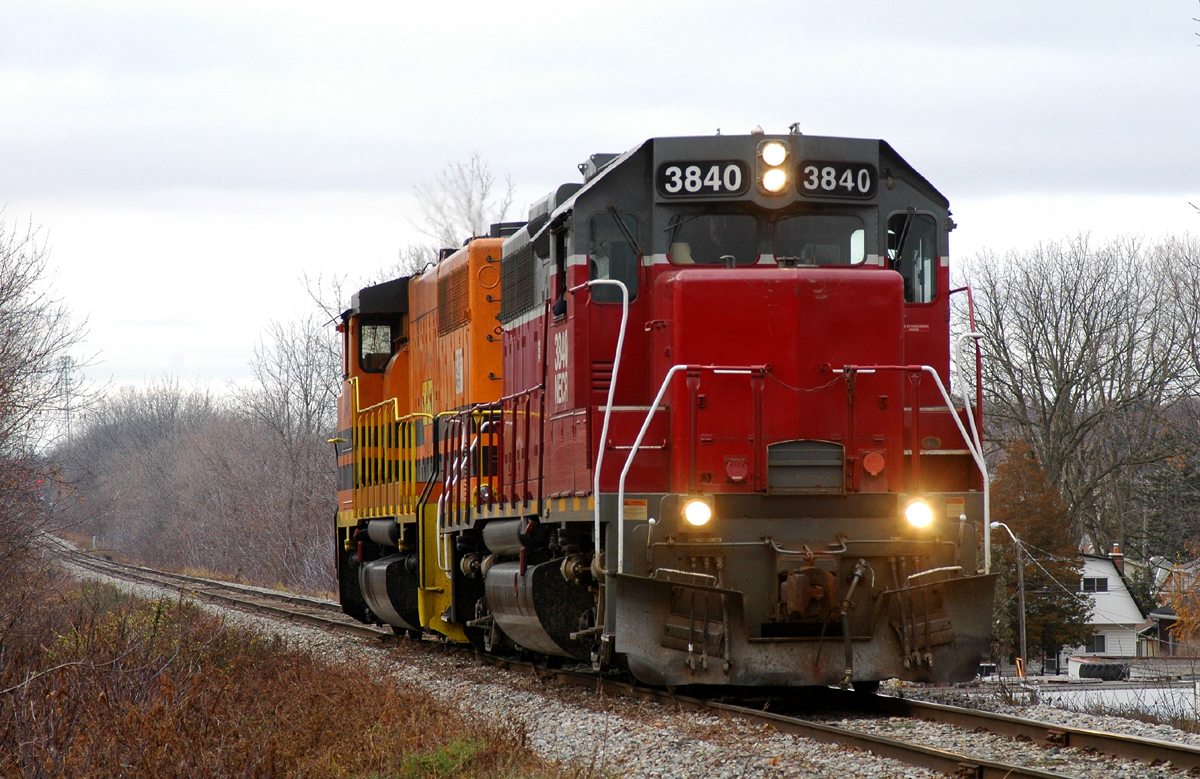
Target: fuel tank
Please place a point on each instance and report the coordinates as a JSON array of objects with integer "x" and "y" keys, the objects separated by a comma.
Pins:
[
  {"x": 539, "y": 609},
  {"x": 390, "y": 591}
]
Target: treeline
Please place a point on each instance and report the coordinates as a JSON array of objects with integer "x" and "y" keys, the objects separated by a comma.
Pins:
[
  {"x": 242, "y": 482},
  {"x": 1091, "y": 376},
  {"x": 1092, "y": 361},
  {"x": 239, "y": 482}
]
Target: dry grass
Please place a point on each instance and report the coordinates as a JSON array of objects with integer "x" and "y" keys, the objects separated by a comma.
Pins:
[
  {"x": 80, "y": 540},
  {"x": 96, "y": 685}
]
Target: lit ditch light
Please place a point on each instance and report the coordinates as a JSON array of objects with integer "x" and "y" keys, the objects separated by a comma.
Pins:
[
  {"x": 919, "y": 513},
  {"x": 697, "y": 511}
]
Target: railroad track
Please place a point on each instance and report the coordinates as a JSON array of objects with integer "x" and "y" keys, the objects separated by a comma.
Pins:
[
  {"x": 327, "y": 614},
  {"x": 295, "y": 608}
]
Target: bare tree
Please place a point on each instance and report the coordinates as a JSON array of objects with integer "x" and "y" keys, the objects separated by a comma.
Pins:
[
  {"x": 36, "y": 333},
  {"x": 461, "y": 201},
  {"x": 296, "y": 367},
  {"x": 1085, "y": 357}
]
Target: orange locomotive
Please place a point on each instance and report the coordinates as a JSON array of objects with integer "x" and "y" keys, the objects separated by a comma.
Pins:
[{"x": 441, "y": 327}]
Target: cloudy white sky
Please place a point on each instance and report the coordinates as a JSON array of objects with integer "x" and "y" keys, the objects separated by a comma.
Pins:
[{"x": 191, "y": 160}]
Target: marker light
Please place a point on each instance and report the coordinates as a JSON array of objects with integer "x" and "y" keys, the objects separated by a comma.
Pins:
[
  {"x": 774, "y": 153},
  {"x": 918, "y": 513},
  {"x": 774, "y": 180},
  {"x": 697, "y": 512}
]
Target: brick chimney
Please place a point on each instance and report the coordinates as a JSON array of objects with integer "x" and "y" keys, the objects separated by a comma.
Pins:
[{"x": 1117, "y": 558}]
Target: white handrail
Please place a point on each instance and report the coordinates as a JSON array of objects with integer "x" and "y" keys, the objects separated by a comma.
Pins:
[
  {"x": 450, "y": 482},
  {"x": 975, "y": 446},
  {"x": 612, "y": 386},
  {"x": 633, "y": 450},
  {"x": 978, "y": 438}
]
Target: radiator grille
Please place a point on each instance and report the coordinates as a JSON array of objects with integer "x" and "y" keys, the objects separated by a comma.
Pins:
[
  {"x": 453, "y": 310},
  {"x": 516, "y": 283},
  {"x": 806, "y": 467}
]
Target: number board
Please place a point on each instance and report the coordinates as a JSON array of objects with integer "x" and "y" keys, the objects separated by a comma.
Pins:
[
  {"x": 703, "y": 178},
  {"x": 818, "y": 178}
]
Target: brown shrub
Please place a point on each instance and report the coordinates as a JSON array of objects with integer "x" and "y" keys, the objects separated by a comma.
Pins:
[{"x": 128, "y": 687}]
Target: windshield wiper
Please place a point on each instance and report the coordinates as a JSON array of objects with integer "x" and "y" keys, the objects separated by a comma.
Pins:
[
  {"x": 678, "y": 221},
  {"x": 625, "y": 231},
  {"x": 904, "y": 233}
]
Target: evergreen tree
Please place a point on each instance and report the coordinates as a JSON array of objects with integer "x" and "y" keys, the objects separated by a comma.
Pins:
[{"x": 1055, "y": 614}]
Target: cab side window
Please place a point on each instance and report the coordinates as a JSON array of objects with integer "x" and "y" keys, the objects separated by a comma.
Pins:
[
  {"x": 613, "y": 254},
  {"x": 374, "y": 345},
  {"x": 912, "y": 252}
]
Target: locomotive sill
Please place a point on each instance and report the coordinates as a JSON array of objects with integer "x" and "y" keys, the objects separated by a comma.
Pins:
[{"x": 927, "y": 452}]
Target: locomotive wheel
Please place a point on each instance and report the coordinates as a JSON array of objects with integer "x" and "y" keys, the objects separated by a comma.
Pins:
[
  {"x": 411, "y": 635},
  {"x": 550, "y": 662},
  {"x": 867, "y": 688}
]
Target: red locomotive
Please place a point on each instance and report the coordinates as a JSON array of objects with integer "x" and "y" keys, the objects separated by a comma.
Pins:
[{"x": 691, "y": 419}]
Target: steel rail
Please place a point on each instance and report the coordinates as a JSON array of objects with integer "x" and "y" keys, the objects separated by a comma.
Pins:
[
  {"x": 949, "y": 763},
  {"x": 303, "y": 600},
  {"x": 203, "y": 590},
  {"x": 1139, "y": 748}
]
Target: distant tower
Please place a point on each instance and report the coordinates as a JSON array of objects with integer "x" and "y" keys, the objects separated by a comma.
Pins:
[{"x": 66, "y": 379}]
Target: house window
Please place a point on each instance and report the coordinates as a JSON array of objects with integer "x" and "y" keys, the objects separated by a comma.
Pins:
[
  {"x": 1095, "y": 643},
  {"x": 1096, "y": 585}
]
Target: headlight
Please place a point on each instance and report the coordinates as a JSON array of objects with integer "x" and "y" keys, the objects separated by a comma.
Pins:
[
  {"x": 774, "y": 180},
  {"x": 918, "y": 513},
  {"x": 697, "y": 512},
  {"x": 774, "y": 153}
]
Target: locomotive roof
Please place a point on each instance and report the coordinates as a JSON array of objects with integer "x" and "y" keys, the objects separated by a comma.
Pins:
[
  {"x": 721, "y": 143},
  {"x": 390, "y": 297}
]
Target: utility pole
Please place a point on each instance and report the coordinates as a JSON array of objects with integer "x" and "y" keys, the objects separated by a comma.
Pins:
[{"x": 1020, "y": 593}]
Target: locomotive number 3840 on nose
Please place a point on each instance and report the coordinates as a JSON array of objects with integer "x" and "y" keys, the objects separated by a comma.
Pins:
[{"x": 697, "y": 179}]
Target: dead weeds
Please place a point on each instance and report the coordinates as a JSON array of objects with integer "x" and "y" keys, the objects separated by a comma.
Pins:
[{"x": 97, "y": 684}]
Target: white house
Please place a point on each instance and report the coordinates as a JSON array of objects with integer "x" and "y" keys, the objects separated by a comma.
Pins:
[{"x": 1116, "y": 617}]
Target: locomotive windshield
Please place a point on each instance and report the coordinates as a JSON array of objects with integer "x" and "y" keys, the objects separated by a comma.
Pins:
[
  {"x": 734, "y": 239},
  {"x": 820, "y": 240},
  {"x": 713, "y": 239}
]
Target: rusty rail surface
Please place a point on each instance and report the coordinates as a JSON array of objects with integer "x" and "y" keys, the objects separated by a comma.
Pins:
[
  {"x": 950, "y": 763},
  {"x": 294, "y": 608},
  {"x": 1144, "y": 750}
]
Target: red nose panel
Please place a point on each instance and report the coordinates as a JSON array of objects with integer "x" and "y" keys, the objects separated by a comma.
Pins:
[{"x": 804, "y": 323}]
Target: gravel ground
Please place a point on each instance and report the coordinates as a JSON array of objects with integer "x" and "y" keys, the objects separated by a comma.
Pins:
[
  {"x": 986, "y": 700},
  {"x": 1072, "y": 762},
  {"x": 613, "y": 736}
]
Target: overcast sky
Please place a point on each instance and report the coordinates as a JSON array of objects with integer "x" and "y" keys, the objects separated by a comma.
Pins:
[{"x": 191, "y": 160}]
